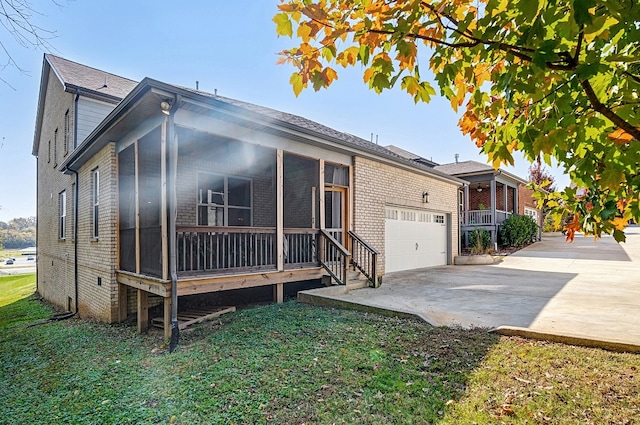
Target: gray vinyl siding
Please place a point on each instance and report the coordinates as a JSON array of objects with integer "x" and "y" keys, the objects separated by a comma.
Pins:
[{"x": 90, "y": 114}]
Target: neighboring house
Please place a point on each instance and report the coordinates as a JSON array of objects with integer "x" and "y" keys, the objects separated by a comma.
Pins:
[
  {"x": 149, "y": 191},
  {"x": 490, "y": 197}
]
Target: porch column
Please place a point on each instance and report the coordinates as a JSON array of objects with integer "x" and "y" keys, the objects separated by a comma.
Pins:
[
  {"x": 494, "y": 235},
  {"x": 466, "y": 213},
  {"x": 321, "y": 190},
  {"x": 280, "y": 209},
  {"x": 163, "y": 201},
  {"x": 505, "y": 189},
  {"x": 137, "y": 201}
]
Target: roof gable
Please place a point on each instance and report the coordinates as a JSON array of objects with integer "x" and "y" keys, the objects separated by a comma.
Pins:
[{"x": 90, "y": 80}]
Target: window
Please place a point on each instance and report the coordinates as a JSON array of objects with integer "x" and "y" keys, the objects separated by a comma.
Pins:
[
  {"x": 530, "y": 212},
  {"x": 437, "y": 218},
  {"x": 95, "y": 190},
  {"x": 390, "y": 214},
  {"x": 336, "y": 174},
  {"x": 62, "y": 209},
  {"x": 55, "y": 148},
  {"x": 66, "y": 133},
  {"x": 224, "y": 200}
]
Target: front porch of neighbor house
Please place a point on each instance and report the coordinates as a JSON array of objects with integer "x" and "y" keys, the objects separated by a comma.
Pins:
[
  {"x": 247, "y": 215},
  {"x": 485, "y": 203}
]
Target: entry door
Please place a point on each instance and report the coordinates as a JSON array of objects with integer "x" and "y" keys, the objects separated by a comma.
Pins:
[{"x": 335, "y": 212}]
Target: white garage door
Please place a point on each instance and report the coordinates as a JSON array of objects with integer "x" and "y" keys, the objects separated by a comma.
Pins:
[{"x": 414, "y": 239}]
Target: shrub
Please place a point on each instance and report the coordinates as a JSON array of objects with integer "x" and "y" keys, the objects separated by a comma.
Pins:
[
  {"x": 479, "y": 241},
  {"x": 548, "y": 225},
  {"x": 518, "y": 230}
]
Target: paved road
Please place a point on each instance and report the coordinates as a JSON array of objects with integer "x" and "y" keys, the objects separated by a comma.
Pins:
[
  {"x": 21, "y": 266},
  {"x": 583, "y": 291}
]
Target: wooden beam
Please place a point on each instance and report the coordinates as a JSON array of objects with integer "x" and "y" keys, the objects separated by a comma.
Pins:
[
  {"x": 321, "y": 190},
  {"x": 225, "y": 283},
  {"x": 143, "y": 311},
  {"x": 147, "y": 285},
  {"x": 278, "y": 292},
  {"x": 350, "y": 202},
  {"x": 167, "y": 318},
  {"x": 123, "y": 301},
  {"x": 280, "y": 209},
  {"x": 137, "y": 202}
]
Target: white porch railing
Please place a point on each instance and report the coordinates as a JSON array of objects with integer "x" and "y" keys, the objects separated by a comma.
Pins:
[{"x": 482, "y": 217}]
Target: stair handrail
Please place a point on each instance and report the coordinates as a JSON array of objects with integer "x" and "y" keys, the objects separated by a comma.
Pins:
[
  {"x": 366, "y": 263},
  {"x": 339, "y": 264}
]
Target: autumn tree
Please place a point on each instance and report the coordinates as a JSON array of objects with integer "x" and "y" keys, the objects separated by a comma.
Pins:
[
  {"x": 541, "y": 177},
  {"x": 550, "y": 78}
]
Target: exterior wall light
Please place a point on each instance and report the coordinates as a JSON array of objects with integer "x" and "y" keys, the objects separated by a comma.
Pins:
[
  {"x": 165, "y": 107},
  {"x": 425, "y": 197}
]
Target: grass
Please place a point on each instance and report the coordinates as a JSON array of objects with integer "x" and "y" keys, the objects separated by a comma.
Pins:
[{"x": 295, "y": 364}]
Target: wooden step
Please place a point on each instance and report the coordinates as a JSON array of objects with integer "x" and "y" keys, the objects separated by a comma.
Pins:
[{"x": 190, "y": 317}]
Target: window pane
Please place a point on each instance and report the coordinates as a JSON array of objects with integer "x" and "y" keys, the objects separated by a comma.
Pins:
[
  {"x": 336, "y": 174},
  {"x": 239, "y": 192},
  {"x": 239, "y": 217}
]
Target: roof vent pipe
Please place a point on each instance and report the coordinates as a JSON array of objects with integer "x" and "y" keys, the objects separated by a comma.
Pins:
[
  {"x": 197, "y": 85},
  {"x": 105, "y": 82},
  {"x": 457, "y": 156}
]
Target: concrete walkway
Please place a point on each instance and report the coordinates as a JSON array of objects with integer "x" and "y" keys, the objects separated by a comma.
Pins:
[{"x": 585, "y": 293}]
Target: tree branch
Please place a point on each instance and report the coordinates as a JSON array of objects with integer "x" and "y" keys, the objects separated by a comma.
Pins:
[{"x": 601, "y": 108}]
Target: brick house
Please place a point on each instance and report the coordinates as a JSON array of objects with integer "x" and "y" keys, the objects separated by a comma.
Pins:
[
  {"x": 490, "y": 197},
  {"x": 148, "y": 192}
]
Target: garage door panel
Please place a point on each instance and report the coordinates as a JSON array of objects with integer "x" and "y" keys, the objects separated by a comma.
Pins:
[{"x": 414, "y": 239}]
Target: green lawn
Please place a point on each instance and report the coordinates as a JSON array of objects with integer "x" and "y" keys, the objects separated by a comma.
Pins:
[{"x": 294, "y": 364}]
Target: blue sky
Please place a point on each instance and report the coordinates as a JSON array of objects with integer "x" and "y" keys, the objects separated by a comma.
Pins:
[{"x": 225, "y": 45}]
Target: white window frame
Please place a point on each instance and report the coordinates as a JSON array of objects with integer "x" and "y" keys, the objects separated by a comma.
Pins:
[
  {"x": 62, "y": 214},
  {"x": 202, "y": 199},
  {"x": 95, "y": 203},
  {"x": 531, "y": 212}
]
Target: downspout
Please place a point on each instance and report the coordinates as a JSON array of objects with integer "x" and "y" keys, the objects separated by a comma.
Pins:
[
  {"x": 75, "y": 238},
  {"x": 172, "y": 214}
]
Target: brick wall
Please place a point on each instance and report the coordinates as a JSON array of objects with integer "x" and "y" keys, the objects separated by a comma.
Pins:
[
  {"x": 377, "y": 184},
  {"x": 97, "y": 258},
  {"x": 263, "y": 186},
  {"x": 525, "y": 199},
  {"x": 55, "y": 255}
]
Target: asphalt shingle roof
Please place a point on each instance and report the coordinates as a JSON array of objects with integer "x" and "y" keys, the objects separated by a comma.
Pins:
[
  {"x": 82, "y": 76},
  {"x": 464, "y": 167}
]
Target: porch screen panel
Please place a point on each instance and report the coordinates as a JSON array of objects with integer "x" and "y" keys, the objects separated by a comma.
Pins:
[
  {"x": 127, "y": 209},
  {"x": 301, "y": 209},
  {"x": 150, "y": 186}
]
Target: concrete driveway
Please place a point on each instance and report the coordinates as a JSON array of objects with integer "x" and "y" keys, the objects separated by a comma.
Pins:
[{"x": 586, "y": 292}]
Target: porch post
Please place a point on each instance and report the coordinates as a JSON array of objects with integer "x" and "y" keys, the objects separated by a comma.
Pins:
[
  {"x": 493, "y": 210},
  {"x": 143, "y": 311},
  {"x": 167, "y": 318},
  {"x": 321, "y": 190},
  {"x": 163, "y": 201},
  {"x": 505, "y": 188},
  {"x": 280, "y": 209},
  {"x": 137, "y": 202},
  {"x": 278, "y": 292}
]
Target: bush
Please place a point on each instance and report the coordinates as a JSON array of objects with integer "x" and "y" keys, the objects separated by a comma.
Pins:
[
  {"x": 518, "y": 230},
  {"x": 479, "y": 241}
]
